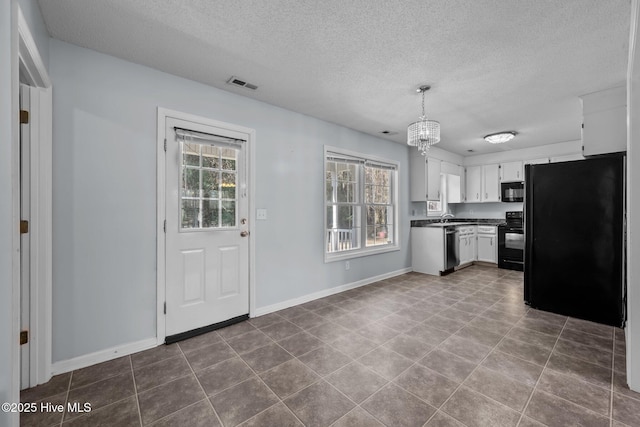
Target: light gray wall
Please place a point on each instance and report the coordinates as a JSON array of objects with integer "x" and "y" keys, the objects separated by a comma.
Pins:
[
  {"x": 6, "y": 221},
  {"x": 31, "y": 11},
  {"x": 104, "y": 188}
]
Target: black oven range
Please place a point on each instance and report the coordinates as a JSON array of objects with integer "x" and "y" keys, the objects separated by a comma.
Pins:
[{"x": 511, "y": 242}]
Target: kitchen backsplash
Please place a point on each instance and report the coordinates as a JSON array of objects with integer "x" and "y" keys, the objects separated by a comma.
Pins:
[{"x": 483, "y": 210}]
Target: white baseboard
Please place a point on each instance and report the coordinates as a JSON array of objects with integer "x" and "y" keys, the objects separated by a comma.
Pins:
[
  {"x": 102, "y": 356},
  {"x": 326, "y": 292}
]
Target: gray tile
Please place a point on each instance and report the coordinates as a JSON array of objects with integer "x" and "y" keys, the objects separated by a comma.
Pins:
[
  {"x": 100, "y": 372},
  {"x": 528, "y": 422},
  {"x": 353, "y": 345},
  {"x": 620, "y": 385},
  {"x": 602, "y": 343},
  {"x": 409, "y": 347},
  {"x": 372, "y": 313},
  {"x": 249, "y": 341},
  {"x": 397, "y": 322},
  {"x": 236, "y": 330},
  {"x": 278, "y": 415},
  {"x": 445, "y": 324},
  {"x": 481, "y": 336},
  {"x": 330, "y": 311},
  {"x": 584, "y": 352},
  {"x": 324, "y": 360},
  {"x": 103, "y": 393},
  {"x": 265, "y": 320},
  {"x": 427, "y": 334},
  {"x": 505, "y": 390},
  {"x": 328, "y": 331},
  {"x": 199, "y": 341},
  {"x": 529, "y": 352},
  {"x": 477, "y": 410},
  {"x": 395, "y": 407},
  {"x": 620, "y": 363},
  {"x": 243, "y": 401},
  {"x": 469, "y": 307},
  {"x": 580, "y": 369},
  {"x": 56, "y": 385},
  {"x": 301, "y": 343},
  {"x": 199, "y": 414},
  {"x": 556, "y": 412},
  {"x": 43, "y": 418},
  {"x": 455, "y": 314},
  {"x": 428, "y": 385},
  {"x": 280, "y": 330},
  {"x": 385, "y": 362},
  {"x": 265, "y": 358},
  {"x": 154, "y": 355},
  {"x": 356, "y": 381},
  {"x": 289, "y": 377},
  {"x": 449, "y": 365},
  {"x": 532, "y": 337},
  {"x": 319, "y": 405},
  {"x": 521, "y": 370},
  {"x": 314, "y": 305},
  {"x": 357, "y": 418},
  {"x": 540, "y": 325},
  {"x": 204, "y": 357},
  {"x": 421, "y": 312},
  {"x": 440, "y": 419},
  {"x": 590, "y": 327},
  {"x": 378, "y": 334},
  {"x": 150, "y": 376},
  {"x": 308, "y": 321},
  {"x": 626, "y": 410},
  {"x": 216, "y": 378},
  {"x": 492, "y": 325},
  {"x": 122, "y": 414},
  {"x": 169, "y": 398},
  {"x": 468, "y": 349},
  {"x": 579, "y": 392},
  {"x": 291, "y": 312},
  {"x": 352, "y": 321}
]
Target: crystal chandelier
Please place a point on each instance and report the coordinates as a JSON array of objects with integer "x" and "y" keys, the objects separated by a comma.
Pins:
[{"x": 423, "y": 133}]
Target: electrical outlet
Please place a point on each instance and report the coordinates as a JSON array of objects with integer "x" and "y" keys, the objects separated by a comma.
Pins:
[
  {"x": 261, "y": 214},
  {"x": 347, "y": 265}
]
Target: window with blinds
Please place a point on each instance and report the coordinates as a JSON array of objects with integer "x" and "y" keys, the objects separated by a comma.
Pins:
[{"x": 360, "y": 204}]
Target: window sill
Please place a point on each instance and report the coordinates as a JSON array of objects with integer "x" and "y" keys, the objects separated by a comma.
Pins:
[{"x": 341, "y": 256}]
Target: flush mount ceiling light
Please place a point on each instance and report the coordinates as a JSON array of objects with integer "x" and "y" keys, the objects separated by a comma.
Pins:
[
  {"x": 423, "y": 133},
  {"x": 500, "y": 137}
]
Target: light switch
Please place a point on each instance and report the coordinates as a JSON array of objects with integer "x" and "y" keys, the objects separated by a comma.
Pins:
[{"x": 261, "y": 214}]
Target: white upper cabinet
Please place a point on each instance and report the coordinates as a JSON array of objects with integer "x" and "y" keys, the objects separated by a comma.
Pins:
[
  {"x": 433, "y": 179},
  {"x": 511, "y": 172},
  {"x": 604, "y": 121},
  {"x": 473, "y": 184},
  {"x": 540, "y": 161},
  {"x": 567, "y": 158},
  {"x": 490, "y": 183},
  {"x": 425, "y": 179},
  {"x": 454, "y": 195},
  {"x": 463, "y": 184}
]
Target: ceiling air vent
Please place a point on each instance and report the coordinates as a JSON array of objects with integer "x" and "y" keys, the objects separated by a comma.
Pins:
[
  {"x": 388, "y": 132},
  {"x": 238, "y": 82}
]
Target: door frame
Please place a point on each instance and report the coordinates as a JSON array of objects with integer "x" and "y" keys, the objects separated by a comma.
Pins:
[
  {"x": 163, "y": 115},
  {"x": 28, "y": 63}
]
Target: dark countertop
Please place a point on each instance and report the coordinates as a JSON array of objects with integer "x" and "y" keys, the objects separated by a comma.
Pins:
[{"x": 457, "y": 221}]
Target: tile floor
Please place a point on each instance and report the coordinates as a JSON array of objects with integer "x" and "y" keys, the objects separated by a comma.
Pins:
[{"x": 414, "y": 350}]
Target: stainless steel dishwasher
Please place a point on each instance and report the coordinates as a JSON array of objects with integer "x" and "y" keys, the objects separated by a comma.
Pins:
[{"x": 451, "y": 248}]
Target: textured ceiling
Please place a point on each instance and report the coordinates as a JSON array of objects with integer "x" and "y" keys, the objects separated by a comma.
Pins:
[{"x": 493, "y": 65}]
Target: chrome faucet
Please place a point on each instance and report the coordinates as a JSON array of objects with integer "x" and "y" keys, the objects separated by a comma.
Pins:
[{"x": 447, "y": 215}]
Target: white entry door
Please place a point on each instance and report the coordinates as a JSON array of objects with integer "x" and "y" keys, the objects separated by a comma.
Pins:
[
  {"x": 207, "y": 245},
  {"x": 25, "y": 241}
]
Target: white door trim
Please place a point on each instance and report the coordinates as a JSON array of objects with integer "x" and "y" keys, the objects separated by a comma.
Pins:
[
  {"x": 163, "y": 114},
  {"x": 26, "y": 60}
]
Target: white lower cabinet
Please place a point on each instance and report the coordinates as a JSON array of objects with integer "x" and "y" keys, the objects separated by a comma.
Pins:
[
  {"x": 467, "y": 244},
  {"x": 487, "y": 244}
]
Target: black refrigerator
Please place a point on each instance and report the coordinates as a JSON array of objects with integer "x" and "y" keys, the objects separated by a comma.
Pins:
[{"x": 574, "y": 256}]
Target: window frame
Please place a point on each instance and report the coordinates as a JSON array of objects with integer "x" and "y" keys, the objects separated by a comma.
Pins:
[{"x": 363, "y": 250}]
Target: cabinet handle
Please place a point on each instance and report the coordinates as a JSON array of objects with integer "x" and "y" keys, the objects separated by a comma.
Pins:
[
  {"x": 518, "y": 174},
  {"x": 477, "y": 196},
  {"x": 486, "y": 195},
  {"x": 492, "y": 241}
]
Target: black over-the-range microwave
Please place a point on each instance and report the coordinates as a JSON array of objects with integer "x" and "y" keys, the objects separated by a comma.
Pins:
[{"x": 512, "y": 191}]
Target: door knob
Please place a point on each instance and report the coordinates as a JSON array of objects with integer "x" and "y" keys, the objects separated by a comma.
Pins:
[{"x": 244, "y": 233}]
